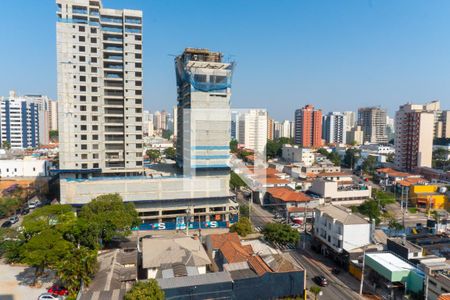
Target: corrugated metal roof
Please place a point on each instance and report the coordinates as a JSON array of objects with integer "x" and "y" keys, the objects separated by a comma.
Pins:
[{"x": 204, "y": 279}]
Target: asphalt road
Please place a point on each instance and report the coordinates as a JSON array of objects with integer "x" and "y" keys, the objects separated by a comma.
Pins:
[{"x": 336, "y": 289}]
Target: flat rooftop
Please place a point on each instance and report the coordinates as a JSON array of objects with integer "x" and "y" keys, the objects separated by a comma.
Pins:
[{"x": 390, "y": 261}]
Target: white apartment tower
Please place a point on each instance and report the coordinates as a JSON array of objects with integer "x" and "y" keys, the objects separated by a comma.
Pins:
[
  {"x": 413, "y": 136},
  {"x": 334, "y": 124},
  {"x": 253, "y": 130},
  {"x": 99, "y": 61}
]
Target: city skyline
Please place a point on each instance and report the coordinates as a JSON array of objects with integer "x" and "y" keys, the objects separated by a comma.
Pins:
[{"x": 388, "y": 59}]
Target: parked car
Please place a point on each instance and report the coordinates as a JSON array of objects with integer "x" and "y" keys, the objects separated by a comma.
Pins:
[
  {"x": 320, "y": 280},
  {"x": 6, "y": 224},
  {"x": 295, "y": 226},
  {"x": 14, "y": 219},
  {"x": 48, "y": 296},
  {"x": 335, "y": 271},
  {"x": 25, "y": 211},
  {"x": 32, "y": 205},
  {"x": 58, "y": 290}
]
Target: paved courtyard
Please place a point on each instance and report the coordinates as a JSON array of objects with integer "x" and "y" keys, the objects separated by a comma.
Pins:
[{"x": 15, "y": 283}]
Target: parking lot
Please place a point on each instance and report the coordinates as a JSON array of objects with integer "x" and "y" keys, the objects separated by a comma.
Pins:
[{"x": 15, "y": 283}]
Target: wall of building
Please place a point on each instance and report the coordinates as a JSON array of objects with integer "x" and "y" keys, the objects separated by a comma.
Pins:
[{"x": 23, "y": 168}]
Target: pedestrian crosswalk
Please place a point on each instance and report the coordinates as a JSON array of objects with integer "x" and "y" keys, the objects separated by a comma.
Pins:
[
  {"x": 258, "y": 228},
  {"x": 283, "y": 247}
]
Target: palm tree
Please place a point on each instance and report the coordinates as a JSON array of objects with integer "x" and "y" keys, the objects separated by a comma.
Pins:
[{"x": 315, "y": 290}]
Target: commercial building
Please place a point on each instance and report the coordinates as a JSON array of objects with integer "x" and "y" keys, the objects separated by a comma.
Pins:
[
  {"x": 429, "y": 196},
  {"x": 308, "y": 127},
  {"x": 22, "y": 122},
  {"x": 413, "y": 141},
  {"x": 27, "y": 167},
  {"x": 355, "y": 135},
  {"x": 338, "y": 231},
  {"x": 53, "y": 115},
  {"x": 334, "y": 124},
  {"x": 287, "y": 201},
  {"x": 253, "y": 130},
  {"x": 392, "y": 275},
  {"x": 99, "y": 62},
  {"x": 437, "y": 280},
  {"x": 373, "y": 123},
  {"x": 340, "y": 188},
  {"x": 404, "y": 248}
]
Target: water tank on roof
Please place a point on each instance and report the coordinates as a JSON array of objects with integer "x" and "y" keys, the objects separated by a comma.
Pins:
[{"x": 443, "y": 190}]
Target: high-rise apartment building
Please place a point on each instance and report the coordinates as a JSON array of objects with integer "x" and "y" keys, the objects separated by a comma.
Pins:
[
  {"x": 271, "y": 129},
  {"x": 355, "y": 136},
  {"x": 20, "y": 122},
  {"x": 334, "y": 128},
  {"x": 53, "y": 115},
  {"x": 308, "y": 127},
  {"x": 373, "y": 123},
  {"x": 203, "y": 116},
  {"x": 175, "y": 123},
  {"x": 446, "y": 124},
  {"x": 286, "y": 129},
  {"x": 413, "y": 139},
  {"x": 253, "y": 130},
  {"x": 99, "y": 56},
  {"x": 350, "y": 120}
]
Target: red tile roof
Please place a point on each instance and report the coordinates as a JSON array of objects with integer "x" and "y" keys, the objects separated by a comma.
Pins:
[
  {"x": 217, "y": 240},
  {"x": 235, "y": 252},
  {"x": 445, "y": 296},
  {"x": 288, "y": 195},
  {"x": 258, "y": 265}
]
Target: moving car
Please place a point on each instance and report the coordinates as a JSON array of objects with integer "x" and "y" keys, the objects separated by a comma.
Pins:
[
  {"x": 14, "y": 219},
  {"x": 48, "y": 296},
  {"x": 320, "y": 280},
  {"x": 6, "y": 224},
  {"x": 58, "y": 290}
]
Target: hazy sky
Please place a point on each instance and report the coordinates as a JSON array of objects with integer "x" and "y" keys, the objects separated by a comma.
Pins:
[{"x": 337, "y": 55}]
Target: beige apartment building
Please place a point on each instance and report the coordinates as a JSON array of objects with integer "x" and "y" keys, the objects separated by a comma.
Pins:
[{"x": 413, "y": 136}]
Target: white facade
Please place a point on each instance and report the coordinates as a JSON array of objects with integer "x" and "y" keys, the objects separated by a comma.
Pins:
[
  {"x": 24, "y": 168},
  {"x": 355, "y": 135},
  {"x": 296, "y": 154},
  {"x": 341, "y": 189},
  {"x": 339, "y": 229},
  {"x": 333, "y": 126},
  {"x": 53, "y": 115},
  {"x": 99, "y": 61},
  {"x": 253, "y": 130},
  {"x": 350, "y": 120}
]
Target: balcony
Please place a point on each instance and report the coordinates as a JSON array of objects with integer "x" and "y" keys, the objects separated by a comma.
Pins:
[
  {"x": 113, "y": 102},
  {"x": 80, "y": 11},
  {"x": 113, "y": 58},
  {"x": 113, "y": 48},
  {"x": 114, "y": 138},
  {"x": 112, "y": 29},
  {"x": 113, "y": 111},
  {"x": 114, "y": 76},
  {"x": 114, "y": 129},
  {"x": 113, "y": 93},
  {"x": 133, "y": 20},
  {"x": 113, "y": 84},
  {"x": 94, "y": 13},
  {"x": 113, "y": 66},
  {"x": 112, "y": 39},
  {"x": 111, "y": 20},
  {"x": 133, "y": 30}
]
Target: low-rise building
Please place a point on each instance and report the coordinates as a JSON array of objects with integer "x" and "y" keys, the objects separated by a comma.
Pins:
[
  {"x": 296, "y": 154},
  {"x": 338, "y": 231},
  {"x": 430, "y": 196},
  {"x": 437, "y": 281},
  {"x": 340, "y": 187},
  {"x": 174, "y": 257},
  {"x": 27, "y": 167},
  {"x": 404, "y": 248},
  {"x": 284, "y": 199},
  {"x": 389, "y": 177},
  {"x": 392, "y": 276}
]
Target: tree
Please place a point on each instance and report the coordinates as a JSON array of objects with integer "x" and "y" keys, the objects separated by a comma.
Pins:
[
  {"x": 45, "y": 250},
  {"x": 243, "y": 227},
  {"x": 145, "y": 290},
  {"x": 6, "y": 145},
  {"x": 170, "y": 153},
  {"x": 8, "y": 206},
  {"x": 323, "y": 151},
  {"x": 351, "y": 157},
  {"x": 315, "y": 290},
  {"x": 78, "y": 266},
  {"x": 10, "y": 247},
  {"x": 59, "y": 218},
  {"x": 334, "y": 158},
  {"x": 153, "y": 154},
  {"x": 236, "y": 181},
  {"x": 109, "y": 216},
  {"x": 53, "y": 135},
  {"x": 272, "y": 148},
  {"x": 244, "y": 211},
  {"x": 167, "y": 134},
  {"x": 370, "y": 209},
  {"x": 390, "y": 157},
  {"x": 369, "y": 165},
  {"x": 280, "y": 233},
  {"x": 233, "y": 146}
]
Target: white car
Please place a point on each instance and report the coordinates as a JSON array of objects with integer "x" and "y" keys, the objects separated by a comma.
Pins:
[
  {"x": 48, "y": 296},
  {"x": 296, "y": 226}
]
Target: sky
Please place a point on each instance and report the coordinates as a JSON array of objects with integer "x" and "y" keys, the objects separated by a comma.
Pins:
[{"x": 336, "y": 55}]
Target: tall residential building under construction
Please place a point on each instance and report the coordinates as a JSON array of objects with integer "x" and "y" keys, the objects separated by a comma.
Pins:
[
  {"x": 99, "y": 61},
  {"x": 373, "y": 123}
]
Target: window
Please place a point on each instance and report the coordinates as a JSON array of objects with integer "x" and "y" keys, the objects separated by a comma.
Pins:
[
  {"x": 95, "y": 166},
  {"x": 139, "y": 163},
  {"x": 138, "y": 74},
  {"x": 84, "y": 156},
  {"x": 138, "y": 92},
  {"x": 94, "y": 98},
  {"x": 138, "y": 127},
  {"x": 95, "y": 146},
  {"x": 82, "y": 29},
  {"x": 138, "y": 47},
  {"x": 81, "y": 38},
  {"x": 199, "y": 78},
  {"x": 82, "y": 49},
  {"x": 137, "y": 37},
  {"x": 82, "y": 107},
  {"x": 138, "y": 154},
  {"x": 82, "y": 58},
  {"x": 95, "y": 156},
  {"x": 138, "y": 119},
  {"x": 82, "y": 69},
  {"x": 93, "y": 40},
  {"x": 138, "y": 101},
  {"x": 93, "y": 69},
  {"x": 138, "y": 56},
  {"x": 84, "y": 166},
  {"x": 83, "y": 127},
  {"x": 94, "y": 108},
  {"x": 94, "y": 79},
  {"x": 94, "y": 118},
  {"x": 84, "y": 147},
  {"x": 94, "y": 127},
  {"x": 93, "y": 30},
  {"x": 93, "y": 59},
  {"x": 138, "y": 65},
  {"x": 84, "y": 137},
  {"x": 83, "y": 118},
  {"x": 94, "y": 89},
  {"x": 83, "y": 78},
  {"x": 95, "y": 137},
  {"x": 93, "y": 50}
]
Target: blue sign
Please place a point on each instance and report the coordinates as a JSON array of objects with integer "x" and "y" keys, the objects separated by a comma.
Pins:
[{"x": 181, "y": 225}]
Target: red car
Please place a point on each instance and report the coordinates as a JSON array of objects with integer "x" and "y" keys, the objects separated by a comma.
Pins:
[{"x": 58, "y": 290}]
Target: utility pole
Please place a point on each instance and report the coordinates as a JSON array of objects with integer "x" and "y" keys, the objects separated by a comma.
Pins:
[
  {"x": 426, "y": 286},
  {"x": 362, "y": 271},
  {"x": 188, "y": 216},
  {"x": 304, "y": 224}
]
